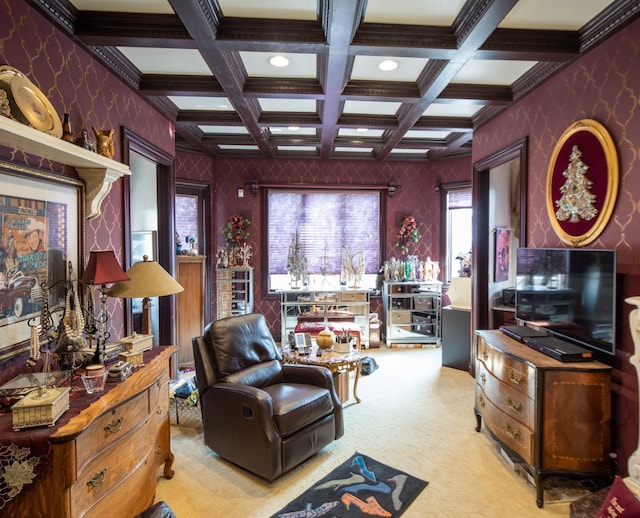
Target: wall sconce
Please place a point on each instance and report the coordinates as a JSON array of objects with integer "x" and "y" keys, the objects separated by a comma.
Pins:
[
  {"x": 391, "y": 189},
  {"x": 255, "y": 188}
]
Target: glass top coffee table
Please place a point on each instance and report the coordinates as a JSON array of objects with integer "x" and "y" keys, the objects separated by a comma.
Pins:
[{"x": 335, "y": 361}]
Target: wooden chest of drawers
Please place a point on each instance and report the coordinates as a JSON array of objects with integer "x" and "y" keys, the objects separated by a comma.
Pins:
[
  {"x": 104, "y": 461},
  {"x": 553, "y": 416}
]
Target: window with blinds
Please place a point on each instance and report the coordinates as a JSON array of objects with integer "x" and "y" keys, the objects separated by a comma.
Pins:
[{"x": 325, "y": 221}]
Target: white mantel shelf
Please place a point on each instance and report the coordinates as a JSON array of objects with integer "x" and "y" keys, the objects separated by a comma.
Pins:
[{"x": 97, "y": 171}]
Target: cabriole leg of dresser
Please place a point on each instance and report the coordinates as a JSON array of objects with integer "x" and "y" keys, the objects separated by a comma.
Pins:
[
  {"x": 168, "y": 465},
  {"x": 478, "y": 421}
]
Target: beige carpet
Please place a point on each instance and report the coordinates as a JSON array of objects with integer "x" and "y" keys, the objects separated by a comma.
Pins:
[{"x": 415, "y": 415}]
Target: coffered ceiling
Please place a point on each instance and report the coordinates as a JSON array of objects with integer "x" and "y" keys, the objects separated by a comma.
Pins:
[{"x": 455, "y": 64}]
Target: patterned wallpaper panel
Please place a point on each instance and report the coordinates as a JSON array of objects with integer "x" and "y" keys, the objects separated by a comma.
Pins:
[
  {"x": 416, "y": 195},
  {"x": 604, "y": 85},
  {"x": 75, "y": 83}
]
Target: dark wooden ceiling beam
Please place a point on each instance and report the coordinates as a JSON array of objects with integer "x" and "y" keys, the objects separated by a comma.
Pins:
[
  {"x": 443, "y": 123},
  {"x": 202, "y": 21},
  {"x": 283, "y": 88},
  {"x": 476, "y": 94},
  {"x": 132, "y": 30},
  {"x": 340, "y": 21},
  {"x": 530, "y": 45},
  {"x": 224, "y": 118},
  {"x": 457, "y": 142},
  {"x": 157, "y": 84},
  {"x": 271, "y": 35},
  {"x": 473, "y": 26}
]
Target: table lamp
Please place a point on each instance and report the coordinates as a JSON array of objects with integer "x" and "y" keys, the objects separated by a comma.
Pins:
[
  {"x": 146, "y": 279},
  {"x": 102, "y": 269}
]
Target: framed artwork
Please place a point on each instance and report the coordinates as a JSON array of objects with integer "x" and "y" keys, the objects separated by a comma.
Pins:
[
  {"x": 502, "y": 254},
  {"x": 41, "y": 249},
  {"x": 582, "y": 182},
  {"x": 143, "y": 243}
]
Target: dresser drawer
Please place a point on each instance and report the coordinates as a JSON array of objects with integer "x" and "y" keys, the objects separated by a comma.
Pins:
[
  {"x": 224, "y": 274},
  {"x": 511, "y": 401},
  {"x": 159, "y": 396},
  {"x": 514, "y": 372},
  {"x": 110, "y": 427},
  {"x": 508, "y": 430},
  {"x": 353, "y": 297},
  {"x": 113, "y": 464}
]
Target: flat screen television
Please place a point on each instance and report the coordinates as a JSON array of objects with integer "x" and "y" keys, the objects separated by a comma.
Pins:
[{"x": 570, "y": 292}]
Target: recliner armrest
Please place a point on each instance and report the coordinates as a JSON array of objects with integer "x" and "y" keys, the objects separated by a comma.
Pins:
[
  {"x": 309, "y": 374},
  {"x": 223, "y": 394}
]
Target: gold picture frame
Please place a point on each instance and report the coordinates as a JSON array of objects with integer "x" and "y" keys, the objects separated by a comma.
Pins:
[{"x": 582, "y": 182}]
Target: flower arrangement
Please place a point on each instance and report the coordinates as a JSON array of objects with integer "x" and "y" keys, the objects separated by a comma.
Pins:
[
  {"x": 235, "y": 231},
  {"x": 409, "y": 233}
]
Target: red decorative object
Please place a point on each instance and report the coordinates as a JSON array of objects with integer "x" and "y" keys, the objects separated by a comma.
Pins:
[
  {"x": 409, "y": 233},
  {"x": 235, "y": 231},
  {"x": 582, "y": 182}
]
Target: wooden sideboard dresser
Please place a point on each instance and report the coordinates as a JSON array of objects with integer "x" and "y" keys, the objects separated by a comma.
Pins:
[
  {"x": 104, "y": 459},
  {"x": 554, "y": 417}
]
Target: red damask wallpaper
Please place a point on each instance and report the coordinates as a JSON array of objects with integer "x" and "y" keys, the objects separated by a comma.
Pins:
[{"x": 416, "y": 195}]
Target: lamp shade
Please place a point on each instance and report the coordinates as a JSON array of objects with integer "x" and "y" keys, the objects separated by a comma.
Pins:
[
  {"x": 103, "y": 268},
  {"x": 146, "y": 279}
]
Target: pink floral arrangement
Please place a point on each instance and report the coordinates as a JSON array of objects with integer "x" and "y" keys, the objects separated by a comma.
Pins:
[
  {"x": 409, "y": 233},
  {"x": 235, "y": 231}
]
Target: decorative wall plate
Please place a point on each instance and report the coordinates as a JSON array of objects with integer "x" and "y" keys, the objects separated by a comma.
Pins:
[
  {"x": 35, "y": 107},
  {"x": 582, "y": 182}
]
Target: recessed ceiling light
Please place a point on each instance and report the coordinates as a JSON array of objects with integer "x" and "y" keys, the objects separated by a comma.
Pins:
[
  {"x": 388, "y": 65},
  {"x": 293, "y": 128},
  {"x": 362, "y": 130},
  {"x": 279, "y": 61}
]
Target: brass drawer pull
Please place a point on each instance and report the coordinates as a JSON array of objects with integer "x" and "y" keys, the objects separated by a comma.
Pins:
[
  {"x": 513, "y": 406},
  {"x": 485, "y": 355},
  {"x": 483, "y": 378},
  {"x": 515, "y": 435},
  {"x": 481, "y": 401},
  {"x": 515, "y": 380},
  {"x": 97, "y": 479},
  {"x": 114, "y": 426}
]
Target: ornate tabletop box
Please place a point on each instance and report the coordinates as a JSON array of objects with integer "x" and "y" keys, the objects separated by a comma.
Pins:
[
  {"x": 137, "y": 342},
  {"x": 41, "y": 406}
]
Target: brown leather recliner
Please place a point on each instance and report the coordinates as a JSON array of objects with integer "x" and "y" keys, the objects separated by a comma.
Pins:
[{"x": 258, "y": 413}]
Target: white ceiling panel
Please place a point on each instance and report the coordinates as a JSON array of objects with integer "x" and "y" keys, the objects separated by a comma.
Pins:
[
  {"x": 224, "y": 130},
  {"x": 492, "y": 72},
  {"x": 366, "y": 68},
  {"x": 559, "y": 15},
  {"x": 413, "y": 12},
  {"x": 167, "y": 61},
  {"x": 132, "y": 6},
  {"x": 280, "y": 9},
  {"x": 364, "y": 107},
  {"x": 185, "y": 102},
  {"x": 287, "y": 105},
  {"x": 300, "y": 65}
]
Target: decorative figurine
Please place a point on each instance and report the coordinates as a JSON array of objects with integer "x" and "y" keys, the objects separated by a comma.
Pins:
[
  {"x": 84, "y": 142},
  {"x": 105, "y": 146}
]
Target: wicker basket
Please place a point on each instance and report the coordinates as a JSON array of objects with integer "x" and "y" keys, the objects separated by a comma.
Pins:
[{"x": 182, "y": 414}]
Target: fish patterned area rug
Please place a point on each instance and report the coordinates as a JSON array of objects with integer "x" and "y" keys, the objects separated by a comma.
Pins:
[{"x": 359, "y": 487}]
